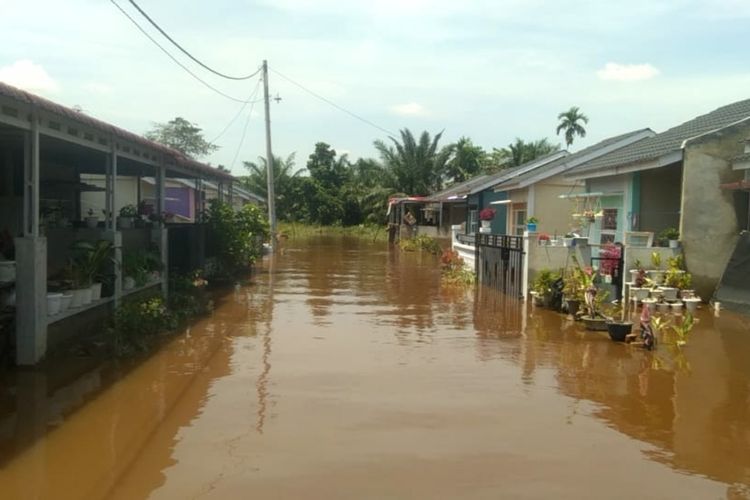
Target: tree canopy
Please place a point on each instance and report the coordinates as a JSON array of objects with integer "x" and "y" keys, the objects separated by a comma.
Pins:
[
  {"x": 570, "y": 122},
  {"x": 411, "y": 166},
  {"x": 182, "y": 135}
]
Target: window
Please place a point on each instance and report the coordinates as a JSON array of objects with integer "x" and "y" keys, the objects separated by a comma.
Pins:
[
  {"x": 473, "y": 222},
  {"x": 518, "y": 219},
  {"x": 609, "y": 226}
]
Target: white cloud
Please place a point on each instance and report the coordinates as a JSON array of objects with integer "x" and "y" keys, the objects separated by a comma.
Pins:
[
  {"x": 29, "y": 76},
  {"x": 408, "y": 109},
  {"x": 627, "y": 72}
]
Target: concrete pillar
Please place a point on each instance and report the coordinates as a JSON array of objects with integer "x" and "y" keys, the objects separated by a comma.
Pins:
[
  {"x": 160, "y": 234},
  {"x": 31, "y": 299},
  {"x": 115, "y": 237},
  {"x": 525, "y": 271}
]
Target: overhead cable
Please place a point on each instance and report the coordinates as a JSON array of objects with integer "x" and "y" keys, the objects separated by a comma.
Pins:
[
  {"x": 176, "y": 61},
  {"x": 331, "y": 103},
  {"x": 184, "y": 51},
  {"x": 250, "y": 99}
]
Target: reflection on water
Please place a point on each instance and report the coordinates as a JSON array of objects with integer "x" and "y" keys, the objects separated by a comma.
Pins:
[{"x": 345, "y": 361}]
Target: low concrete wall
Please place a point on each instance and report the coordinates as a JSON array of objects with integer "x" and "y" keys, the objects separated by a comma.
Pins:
[{"x": 466, "y": 252}]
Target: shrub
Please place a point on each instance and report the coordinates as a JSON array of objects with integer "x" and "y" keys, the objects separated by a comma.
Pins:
[
  {"x": 487, "y": 214},
  {"x": 137, "y": 320},
  {"x": 237, "y": 236},
  {"x": 421, "y": 243}
]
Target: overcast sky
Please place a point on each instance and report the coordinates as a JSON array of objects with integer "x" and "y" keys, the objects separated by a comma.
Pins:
[{"x": 488, "y": 69}]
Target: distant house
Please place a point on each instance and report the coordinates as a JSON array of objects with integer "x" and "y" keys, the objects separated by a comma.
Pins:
[{"x": 678, "y": 178}]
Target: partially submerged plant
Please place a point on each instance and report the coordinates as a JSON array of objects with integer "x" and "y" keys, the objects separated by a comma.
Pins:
[{"x": 656, "y": 260}]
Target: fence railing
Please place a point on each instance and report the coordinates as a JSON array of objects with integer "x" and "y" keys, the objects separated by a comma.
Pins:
[
  {"x": 466, "y": 239},
  {"x": 499, "y": 262}
]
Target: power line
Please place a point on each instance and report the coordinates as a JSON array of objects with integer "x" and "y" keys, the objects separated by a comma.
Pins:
[
  {"x": 244, "y": 131},
  {"x": 184, "y": 51},
  {"x": 206, "y": 84},
  {"x": 250, "y": 99},
  {"x": 331, "y": 103}
]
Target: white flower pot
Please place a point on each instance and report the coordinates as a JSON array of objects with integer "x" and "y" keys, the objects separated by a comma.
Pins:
[
  {"x": 691, "y": 304},
  {"x": 8, "y": 270},
  {"x": 65, "y": 301},
  {"x": 657, "y": 276},
  {"x": 486, "y": 223},
  {"x": 96, "y": 291},
  {"x": 92, "y": 222},
  {"x": 86, "y": 296},
  {"x": 568, "y": 242},
  {"x": 639, "y": 293},
  {"x": 674, "y": 243},
  {"x": 676, "y": 307},
  {"x": 670, "y": 294},
  {"x": 53, "y": 303},
  {"x": 78, "y": 297},
  {"x": 663, "y": 307},
  {"x": 128, "y": 283}
]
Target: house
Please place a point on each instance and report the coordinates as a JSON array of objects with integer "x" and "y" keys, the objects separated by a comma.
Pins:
[
  {"x": 675, "y": 179},
  {"x": 47, "y": 153},
  {"x": 539, "y": 190}
]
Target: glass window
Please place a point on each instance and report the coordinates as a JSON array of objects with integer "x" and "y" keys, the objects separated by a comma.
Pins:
[
  {"x": 473, "y": 222},
  {"x": 518, "y": 219}
]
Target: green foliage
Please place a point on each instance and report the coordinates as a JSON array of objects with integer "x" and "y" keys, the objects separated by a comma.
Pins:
[
  {"x": 544, "y": 280},
  {"x": 570, "y": 122},
  {"x": 90, "y": 261},
  {"x": 237, "y": 236},
  {"x": 421, "y": 243},
  {"x": 137, "y": 320},
  {"x": 465, "y": 161},
  {"x": 520, "y": 152},
  {"x": 412, "y": 166},
  {"x": 182, "y": 135},
  {"x": 129, "y": 211},
  {"x": 667, "y": 234},
  {"x": 656, "y": 260},
  {"x": 138, "y": 264}
]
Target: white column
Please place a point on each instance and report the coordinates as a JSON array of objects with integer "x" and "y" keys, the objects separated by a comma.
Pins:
[
  {"x": 31, "y": 263},
  {"x": 525, "y": 276},
  {"x": 161, "y": 232},
  {"x": 112, "y": 234}
]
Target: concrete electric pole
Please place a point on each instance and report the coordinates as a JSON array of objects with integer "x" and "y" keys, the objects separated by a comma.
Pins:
[{"x": 271, "y": 198}]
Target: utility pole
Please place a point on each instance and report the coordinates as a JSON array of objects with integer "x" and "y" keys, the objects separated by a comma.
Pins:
[{"x": 271, "y": 198}]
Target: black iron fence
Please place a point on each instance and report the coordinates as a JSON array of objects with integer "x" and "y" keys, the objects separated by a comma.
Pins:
[{"x": 499, "y": 262}]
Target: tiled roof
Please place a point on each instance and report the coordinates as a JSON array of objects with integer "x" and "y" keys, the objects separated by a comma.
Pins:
[
  {"x": 482, "y": 182},
  {"x": 669, "y": 141},
  {"x": 52, "y": 107},
  {"x": 572, "y": 159}
]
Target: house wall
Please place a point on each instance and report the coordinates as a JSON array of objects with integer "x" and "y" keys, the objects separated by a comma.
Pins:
[
  {"x": 709, "y": 226},
  {"x": 126, "y": 193},
  {"x": 484, "y": 200},
  {"x": 660, "y": 195},
  {"x": 619, "y": 193},
  {"x": 552, "y": 211}
]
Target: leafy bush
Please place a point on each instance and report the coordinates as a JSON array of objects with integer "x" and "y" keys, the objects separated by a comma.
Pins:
[
  {"x": 237, "y": 236},
  {"x": 137, "y": 320},
  {"x": 421, "y": 243}
]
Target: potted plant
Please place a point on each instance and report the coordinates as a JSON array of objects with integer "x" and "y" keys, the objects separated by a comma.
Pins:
[
  {"x": 569, "y": 239},
  {"x": 639, "y": 291},
  {"x": 542, "y": 286},
  {"x": 531, "y": 224},
  {"x": 133, "y": 270},
  {"x": 572, "y": 289},
  {"x": 618, "y": 326},
  {"x": 544, "y": 239},
  {"x": 485, "y": 216},
  {"x": 80, "y": 283},
  {"x": 128, "y": 213},
  {"x": 656, "y": 273},
  {"x": 670, "y": 237},
  {"x": 637, "y": 268},
  {"x": 92, "y": 221}
]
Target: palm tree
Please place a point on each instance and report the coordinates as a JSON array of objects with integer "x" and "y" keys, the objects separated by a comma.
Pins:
[
  {"x": 520, "y": 151},
  {"x": 256, "y": 181},
  {"x": 466, "y": 160},
  {"x": 414, "y": 167},
  {"x": 570, "y": 123}
]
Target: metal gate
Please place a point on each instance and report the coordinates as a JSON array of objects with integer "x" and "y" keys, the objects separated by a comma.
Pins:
[{"x": 499, "y": 262}]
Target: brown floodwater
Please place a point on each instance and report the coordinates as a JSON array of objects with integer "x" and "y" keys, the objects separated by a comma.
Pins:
[{"x": 346, "y": 371}]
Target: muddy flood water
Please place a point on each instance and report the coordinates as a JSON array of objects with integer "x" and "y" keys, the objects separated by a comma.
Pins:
[{"x": 345, "y": 371}]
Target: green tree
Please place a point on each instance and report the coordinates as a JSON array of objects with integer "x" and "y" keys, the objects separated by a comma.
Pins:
[
  {"x": 411, "y": 166},
  {"x": 465, "y": 161},
  {"x": 570, "y": 122},
  {"x": 287, "y": 185},
  {"x": 182, "y": 135},
  {"x": 329, "y": 171},
  {"x": 520, "y": 151}
]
